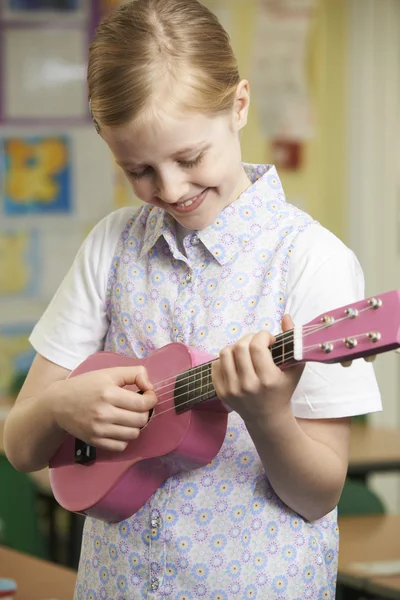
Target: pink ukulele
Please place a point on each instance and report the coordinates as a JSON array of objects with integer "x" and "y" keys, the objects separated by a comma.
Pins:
[{"x": 187, "y": 426}]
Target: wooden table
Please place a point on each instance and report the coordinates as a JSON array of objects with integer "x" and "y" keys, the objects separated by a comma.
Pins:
[
  {"x": 373, "y": 449},
  {"x": 367, "y": 540},
  {"x": 36, "y": 579},
  {"x": 386, "y": 587}
]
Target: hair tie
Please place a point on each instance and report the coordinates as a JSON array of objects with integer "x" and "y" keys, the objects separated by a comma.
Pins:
[{"x": 97, "y": 126}]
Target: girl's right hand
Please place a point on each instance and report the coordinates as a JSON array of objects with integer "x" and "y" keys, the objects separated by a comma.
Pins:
[{"x": 96, "y": 408}]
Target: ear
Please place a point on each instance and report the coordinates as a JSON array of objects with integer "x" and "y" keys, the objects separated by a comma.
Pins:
[{"x": 241, "y": 105}]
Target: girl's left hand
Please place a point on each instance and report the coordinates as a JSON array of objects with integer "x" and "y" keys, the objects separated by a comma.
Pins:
[{"x": 247, "y": 379}]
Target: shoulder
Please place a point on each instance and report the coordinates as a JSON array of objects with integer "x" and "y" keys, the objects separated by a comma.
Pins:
[
  {"x": 317, "y": 255},
  {"x": 316, "y": 238},
  {"x": 111, "y": 227},
  {"x": 75, "y": 322},
  {"x": 325, "y": 274},
  {"x": 100, "y": 245}
]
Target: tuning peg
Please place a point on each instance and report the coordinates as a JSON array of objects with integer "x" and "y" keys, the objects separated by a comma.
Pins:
[
  {"x": 370, "y": 358},
  {"x": 347, "y": 363}
]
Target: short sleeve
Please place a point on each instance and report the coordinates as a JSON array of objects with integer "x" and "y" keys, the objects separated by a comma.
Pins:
[
  {"x": 75, "y": 322},
  {"x": 323, "y": 275}
]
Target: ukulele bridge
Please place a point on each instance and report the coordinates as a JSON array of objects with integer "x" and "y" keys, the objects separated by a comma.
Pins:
[{"x": 84, "y": 453}]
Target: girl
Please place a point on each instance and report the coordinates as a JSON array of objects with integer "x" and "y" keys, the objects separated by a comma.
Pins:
[{"x": 214, "y": 259}]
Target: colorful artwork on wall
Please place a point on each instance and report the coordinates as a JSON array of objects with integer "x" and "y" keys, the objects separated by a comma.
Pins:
[
  {"x": 20, "y": 266},
  {"x": 37, "y": 175},
  {"x": 28, "y": 10},
  {"x": 34, "y": 5}
]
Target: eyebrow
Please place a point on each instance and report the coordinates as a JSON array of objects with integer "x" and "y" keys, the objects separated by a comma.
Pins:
[
  {"x": 198, "y": 148},
  {"x": 202, "y": 147}
]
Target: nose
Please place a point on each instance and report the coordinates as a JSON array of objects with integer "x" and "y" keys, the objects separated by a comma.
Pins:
[{"x": 171, "y": 186}]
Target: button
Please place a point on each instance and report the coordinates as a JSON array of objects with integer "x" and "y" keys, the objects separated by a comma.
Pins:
[
  {"x": 188, "y": 277},
  {"x": 156, "y": 522},
  {"x": 195, "y": 240},
  {"x": 154, "y": 584}
]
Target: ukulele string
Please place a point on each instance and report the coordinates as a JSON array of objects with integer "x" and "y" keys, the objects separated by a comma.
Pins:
[
  {"x": 181, "y": 404},
  {"x": 199, "y": 387},
  {"x": 171, "y": 380},
  {"x": 318, "y": 327}
]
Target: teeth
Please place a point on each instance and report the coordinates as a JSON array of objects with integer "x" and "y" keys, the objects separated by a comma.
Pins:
[{"x": 187, "y": 203}]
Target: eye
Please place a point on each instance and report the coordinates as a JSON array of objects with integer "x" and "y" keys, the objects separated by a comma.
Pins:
[
  {"x": 140, "y": 174},
  {"x": 192, "y": 163}
]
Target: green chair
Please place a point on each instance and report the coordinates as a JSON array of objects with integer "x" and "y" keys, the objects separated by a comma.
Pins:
[
  {"x": 19, "y": 519},
  {"x": 358, "y": 499}
]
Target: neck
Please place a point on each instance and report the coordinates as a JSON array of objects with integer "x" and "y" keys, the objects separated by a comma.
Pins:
[
  {"x": 195, "y": 385},
  {"x": 243, "y": 184}
]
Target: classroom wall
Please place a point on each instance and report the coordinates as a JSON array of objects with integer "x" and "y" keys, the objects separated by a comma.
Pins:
[
  {"x": 38, "y": 245},
  {"x": 319, "y": 185},
  {"x": 57, "y": 178}
]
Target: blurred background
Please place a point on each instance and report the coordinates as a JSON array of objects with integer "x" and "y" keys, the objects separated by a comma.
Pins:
[{"x": 325, "y": 81}]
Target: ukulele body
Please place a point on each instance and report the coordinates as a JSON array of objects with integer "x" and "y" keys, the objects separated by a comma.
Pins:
[{"x": 115, "y": 485}]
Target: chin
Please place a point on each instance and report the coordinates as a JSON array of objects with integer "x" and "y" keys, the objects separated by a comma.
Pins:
[{"x": 194, "y": 224}]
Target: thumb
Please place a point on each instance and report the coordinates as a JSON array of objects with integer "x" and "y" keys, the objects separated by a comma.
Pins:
[
  {"x": 287, "y": 323},
  {"x": 294, "y": 371},
  {"x": 132, "y": 376}
]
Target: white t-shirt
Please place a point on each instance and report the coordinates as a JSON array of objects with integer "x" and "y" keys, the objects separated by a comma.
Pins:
[{"x": 75, "y": 322}]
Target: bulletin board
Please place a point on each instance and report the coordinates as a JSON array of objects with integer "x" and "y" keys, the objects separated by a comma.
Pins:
[
  {"x": 36, "y": 86},
  {"x": 57, "y": 178}
]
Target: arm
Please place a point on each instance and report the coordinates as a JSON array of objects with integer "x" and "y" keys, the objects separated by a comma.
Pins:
[
  {"x": 304, "y": 460},
  {"x": 93, "y": 407},
  {"x": 31, "y": 433},
  {"x": 299, "y": 421}
]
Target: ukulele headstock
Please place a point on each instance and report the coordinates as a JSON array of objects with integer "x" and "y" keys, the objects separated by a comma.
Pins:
[{"x": 362, "y": 329}]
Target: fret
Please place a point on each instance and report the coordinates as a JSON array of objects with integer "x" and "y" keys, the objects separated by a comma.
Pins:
[
  {"x": 283, "y": 349},
  {"x": 201, "y": 381},
  {"x": 209, "y": 387},
  {"x": 195, "y": 385},
  {"x": 192, "y": 387},
  {"x": 209, "y": 390}
]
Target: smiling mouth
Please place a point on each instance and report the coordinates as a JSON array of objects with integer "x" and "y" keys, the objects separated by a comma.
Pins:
[{"x": 190, "y": 204}]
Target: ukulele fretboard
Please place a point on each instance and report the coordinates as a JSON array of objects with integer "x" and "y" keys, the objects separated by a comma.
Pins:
[
  {"x": 192, "y": 387},
  {"x": 195, "y": 385}
]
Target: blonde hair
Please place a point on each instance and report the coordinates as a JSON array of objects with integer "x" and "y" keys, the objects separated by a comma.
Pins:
[{"x": 151, "y": 52}]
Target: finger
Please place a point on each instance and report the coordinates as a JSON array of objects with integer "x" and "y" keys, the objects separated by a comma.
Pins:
[
  {"x": 125, "y": 399},
  {"x": 287, "y": 323},
  {"x": 292, "y": 370},
  {"x": 261, "y": 356},
  {"x": 243, "y": 361},
  {"x": 224, "y": 371},
  {"x": 128, "y": 418},
  {"x": 268, "y": 372},
  {"x": 218, "y": 378},
  {"x": 109, "y": 445},
  {"x": 131, "y": 376},
  {"x": 120, "y": 433}
]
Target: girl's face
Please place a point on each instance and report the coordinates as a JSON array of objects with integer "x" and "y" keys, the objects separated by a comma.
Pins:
[{"x": 188, "y": 165}]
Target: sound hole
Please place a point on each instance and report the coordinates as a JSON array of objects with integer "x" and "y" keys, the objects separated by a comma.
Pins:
[
  {"x": 148, "y": 420},
  {"x": 150, "y": 413}
]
